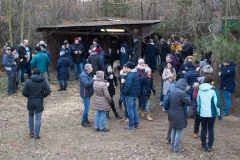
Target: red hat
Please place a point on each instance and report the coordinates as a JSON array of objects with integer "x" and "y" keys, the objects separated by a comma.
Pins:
[
  {"x": 76, "y": 39},
  {"x": 96, "y": 49}
]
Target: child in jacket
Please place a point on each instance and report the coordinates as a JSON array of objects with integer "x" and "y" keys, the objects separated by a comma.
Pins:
[{"x": 102, "y": 101}]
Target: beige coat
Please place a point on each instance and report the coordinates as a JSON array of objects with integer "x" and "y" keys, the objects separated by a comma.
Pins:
[
  {"x": 102, "y": 97},
  {"x": 167, "y": 79}
]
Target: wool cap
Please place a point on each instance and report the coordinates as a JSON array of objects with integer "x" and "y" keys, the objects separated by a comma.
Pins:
[
  {"x": 41, "y": 42},
  {"x": 95, "y": 40},
  {"x": 100, "y": 74},
  {"x": 189, "y": 64},
  {"x": 76, "y": 39},
  {"x": 202, "y": 63},
  {"x": 200, "y": 79},
  {"x": 130, "y": 65},
  {"x": 66, "y": 42},
  {"x": 36, "y": 72},
  {"x": 140, "y": 61},
  {"x": 12, "y": 49},
  {"x": 147, "y": 69},
  {"x": 38, "y": 49},
  {"x": 8, "y": 48}
]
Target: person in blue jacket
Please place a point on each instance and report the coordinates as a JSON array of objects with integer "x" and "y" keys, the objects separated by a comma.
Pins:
[
  {"x": 131, "y": 92},
  {"x": 228, "y": 84},
  {"x": 10, "y": 65},
  {"x": 208, "y": 107},
  {"x": 125, "y": 51},
  {"x": 150, "y": 52},
  {"x": 68, "y": 51},
  {"x": 63, "y": 72}
]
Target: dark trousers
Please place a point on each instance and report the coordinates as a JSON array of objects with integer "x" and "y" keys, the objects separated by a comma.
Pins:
[
  {"x": 169, "y": 130},
  {"x": 207, "y": 125},
  {"x": 12, "y": 83},
  {"x": 24, "y": 68},
  {"x": 196, "y": 124},
  {"x": 150, "y": 60},
  {"x": 113, "y": 107}
]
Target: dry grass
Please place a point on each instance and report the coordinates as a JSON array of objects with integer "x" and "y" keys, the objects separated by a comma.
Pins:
[{"x": 63, "y": 138}]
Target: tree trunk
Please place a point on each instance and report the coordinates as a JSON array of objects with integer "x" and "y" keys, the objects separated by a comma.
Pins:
[
  {"x": 31, "y": 20},
  {"x": 23, "y": 18},
  {"x": 9, "y": 11}
]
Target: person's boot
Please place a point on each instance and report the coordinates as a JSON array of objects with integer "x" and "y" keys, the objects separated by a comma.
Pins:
[
  {"x": 118, "y": 116},
  {"x": 141, "y": 113},
  {"x": 148, "y": 117},
  {"x": 107, "y": 116},
  {"x": 195, "y": 135},
  {"x": 65, "y": 88},
  {"x": 85, "y": 124},
  {"x": 61, "y": 88},
  {"x": 17, "y": 85},
  {"x": 89, "y": 122},
  {"x": 120, "y": 106}
]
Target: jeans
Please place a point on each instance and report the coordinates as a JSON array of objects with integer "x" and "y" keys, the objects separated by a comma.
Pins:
[
  {"x": 63, "y": 83},
  {"x": 207, "y": 125},
  {"x": 101, "y": 120},
  {"x": 132, "y": 111},
  {"x": 150, "y": 60},
  {"x": 169, "y": 130},
  {"x": 78, "y": 68},
  {"x": 192, "y": 103},
  {"x": 12, "y": 83},
  {"x": 86, "y": 101},
  {"x": 18, "y": 76},
  {"x": 26, "y": 67},
  {"x": 176, "y": 136},
  {"x": 196, "y": 124},
  {"x": 122, "y": 100},
  {"x": 161, "y": 94},
  {"x": 144, "y": 105},
  {"x": 38, "y": 117},
  {"x": 157, "y": 59},
  {"x": 227, "y": 100},
  {"x": 45, "y": 76}
]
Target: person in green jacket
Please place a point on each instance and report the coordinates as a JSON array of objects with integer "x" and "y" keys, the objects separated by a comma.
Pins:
[{"x": 41, "y": 61}]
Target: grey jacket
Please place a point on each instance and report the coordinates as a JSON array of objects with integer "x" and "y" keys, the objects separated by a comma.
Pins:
[{"x": 8, "y": 62}]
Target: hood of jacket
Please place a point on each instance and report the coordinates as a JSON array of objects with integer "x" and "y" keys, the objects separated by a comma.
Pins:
[
  {"x": 190, "y": 57},
  {"x": 205, "y": 87},
  {"x": 105, "y": 69},
  {"x": 133, "y": 70},
  {"x": 37, "y": 78},
  {"x": 181, "y": 84}
]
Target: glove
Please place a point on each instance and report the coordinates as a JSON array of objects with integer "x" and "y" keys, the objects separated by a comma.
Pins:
[
  {"x": 154, "y": 92},
  {"x": 219, "y": 118}
]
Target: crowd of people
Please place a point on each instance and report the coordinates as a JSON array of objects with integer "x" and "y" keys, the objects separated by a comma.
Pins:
[{"x": 184, "y": 82}]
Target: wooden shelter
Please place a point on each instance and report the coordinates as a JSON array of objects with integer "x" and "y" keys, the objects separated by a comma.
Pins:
[{"x": 55, "y": 35}]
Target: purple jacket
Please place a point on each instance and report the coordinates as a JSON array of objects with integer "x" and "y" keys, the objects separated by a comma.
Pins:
[{"x": 175, "y": 61}]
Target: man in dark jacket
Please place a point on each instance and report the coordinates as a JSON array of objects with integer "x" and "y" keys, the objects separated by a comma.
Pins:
[
  {"x": 86, "y": 92},
  {"x": 165, "y": 51},
  {"x": 77, "y": 57},
  {"x": 190, "y": 76},
  {"x": 10, "y": 65},
  {"x": 187, "y": 49},
  {"x": 25, "y": 56},
  {"x": 150, "y": 52},
  {"x": 35, "y": 89},
  {"x": 131, "y": 92},
  {"x": 134, "y": 56},
  {"x": 178, "y": 117},
  {"x": 86, "y": 46},
  {"x": 161, "y": 68},
  {"x": 228, "y": 84},
  {"x": 95, "y": 61}
]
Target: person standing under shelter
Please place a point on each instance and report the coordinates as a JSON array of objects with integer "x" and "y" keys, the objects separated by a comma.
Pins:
[
  {"x": 134, "y": 55},
  {"x": 86, "y": 92},
  {"x": 35, "y": 89},
  {"x": 150, "y": 52},
  {"x": 10, "y": 65},
  {"x": 41, "y": 61},
  {"x": 25, "y": 56},
  {"x": 228, "y": 84}
]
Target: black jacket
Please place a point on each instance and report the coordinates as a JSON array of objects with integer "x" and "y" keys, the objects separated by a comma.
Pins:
[
  {"x": 36, "y": 89},
  {"x": 178, "y": 100},
  {"x": 166, "y": 49},
  {"x": 112, "y": 82},
  {"x": 187, "y": 50},
  {"x": 62, "y": 68},
  {"x": 78, "y": 58},
  {"x": 95, "y": 61},
  {"x": 22, "y": 52}
]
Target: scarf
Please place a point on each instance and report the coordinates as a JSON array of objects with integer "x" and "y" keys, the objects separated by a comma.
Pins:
[{"x": 140, "y": 67}]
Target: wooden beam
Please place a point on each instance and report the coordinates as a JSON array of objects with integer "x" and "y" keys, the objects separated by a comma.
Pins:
[
  {"x": 130, "y": 31},
  {"x": 94, "y": 33},
  {"x": 94, "y": 29},
  {"x": 49, "y": 34}
]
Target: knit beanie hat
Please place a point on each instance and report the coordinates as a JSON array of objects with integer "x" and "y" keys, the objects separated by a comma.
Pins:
[
  {"x": 76, "y": 39},
  {"x": 140, "y": 61},
  {"x": 169, "y": 55},
  {"x": 189, "y": 64},
  {"x": 41, "y": 42},
  {"x": 130, "y": 65},
  {"x": 66, "y": 42},
  {"x": 207, "y": 69},
  {"x": 12, "y": 49},
  {"x": 38, "y": 49},
  {"x": 202, "y": 63},
  {"x": 95, "y": 40},
  {"x": 62, "y": 53},
  {"x": 200, "y": 79},
  {"x": 147, "y": 69},
  {"x": 36, "y": 72},
  {"x": 100, "y": 74}
]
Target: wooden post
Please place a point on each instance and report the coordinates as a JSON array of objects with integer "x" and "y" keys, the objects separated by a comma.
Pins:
[
  {"x": 142, "y": 9},
  {"x": 140, "y": 42},
  {"x": 44, "y": 33}
]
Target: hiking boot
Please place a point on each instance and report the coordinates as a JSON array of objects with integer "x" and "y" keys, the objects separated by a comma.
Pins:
[
  {"x": 118, "y": 116},
  {"x": 85, "y": 124},
  {"x": 195, "y": 135},
  {"x": 209, "y": 149},
  {"x": 38, "y": 137},
  {"x": 179, "y": 150},
  {"x": 97, "y": 129},
  {"x": 128, "y": 128},
  {"x": 141, "y": 113},
  {"x": 65, "y": 88},
  {"x": 107, "y": 116},
  {"x": 148, "y": 117},
  {"x": 136, "y": 127},
  {"x": 204, "y": 148},
  {"x": 61, "y": 88},
  {"x": 31, "y": 134},
  {"x": 168, "y": 142},
  {"x": 104, "y": 130},
  {"x": 120, "y": 107},
  {"x": 89, "y": 122}
]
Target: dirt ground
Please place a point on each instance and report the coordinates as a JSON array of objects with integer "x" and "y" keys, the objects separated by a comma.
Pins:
[{"x": 62, "y": 137}]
